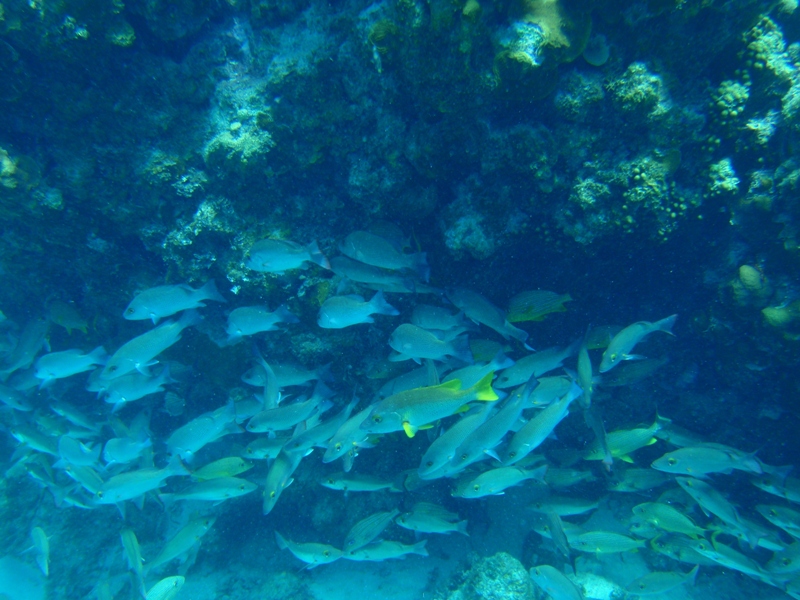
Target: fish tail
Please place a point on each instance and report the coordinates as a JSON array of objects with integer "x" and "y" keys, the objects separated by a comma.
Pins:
[
  {"x": 381, "y": 307},
  {"x": 460, "y": 349},
  {"x": 483, "y": 389},
  {"x": 285, "y": 315},
  {"x": 281, "y": 541},
  {"x": 317, "y": 257},
  {"x": 210, "y": 292},
  {"x": 666, "y": 324},
  {"x": 419, "y": 548}
]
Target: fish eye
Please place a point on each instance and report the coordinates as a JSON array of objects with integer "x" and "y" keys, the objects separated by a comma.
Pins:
[
  {"x": 331, "y": 481},
  {"x": 671, "y": 461},
  {"x": 326, "y": 553},
  {"x": 377, "y": 419},
  {"x": 463, "y": 457},
  {"x": 429, "y": 463},
  {"x": 112, "y": 368},
  {"x": 641, "y": 586},
  {"x": 241, "y": 488},
  {"x": 613, "y": 356},
  {"x": 130, "y": 311},
  {"x": 512, "y": 454},
  {"x": 773, "y": 512},
  {"x": 786, "y": 561},
  {"x": 476, "y": 487},
  {"x": 272, "y": 494},
  {"x": 537, "y": 571},
  {"x": 100, "y": 495},
  {"x": 338, "y": 447}
]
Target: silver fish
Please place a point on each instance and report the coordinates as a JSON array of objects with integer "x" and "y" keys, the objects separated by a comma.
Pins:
[
  {"x": 134, "y": 386},
  {"x": 443, "y": 449},
  {"x": 166, "y": 589},
  {"x": 554, "y": 583},
  {"x": 701, "y": 460},
  {"x": 621, "y": 344},
  {"x": 130, "y": 485},
  {"x": 371, "y": 277},
  {"x": 124, "y": 450},
  {"x": 431, "y": 518},
  {"x": 279, "y": 478},
  {"x": 367, "y": 529},
  {"x": 480, "y": 310},
  {"x": 374, "y": 250},
  {"x": 534, "y": 365},
  {"x": 495, "y": 481},
  {"x": 58, "y": 365},
  {"x": 187, "y": 440},
  {"x": 138, "y": 353},
  {"x": 32, "y": 339},
  {"x": 412, "y": 342},
  {"x": 166, "y": 300},
  {"x": 339, "y": 312},
  {"x": 249, "y": 320},
  {"x": 310, "y": 553},
  {"x": 276, "y": 256},
  {"x": 214, "y": 490},
  {"x": 386, "y": 550}
]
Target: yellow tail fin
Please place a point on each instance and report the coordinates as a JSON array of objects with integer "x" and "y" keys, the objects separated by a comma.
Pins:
[{"x": 483, "y": 389}]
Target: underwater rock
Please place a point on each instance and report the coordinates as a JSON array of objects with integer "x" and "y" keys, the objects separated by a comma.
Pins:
[
  {"x": 498, "y": 577},
  {"x": 751, "y": 288}
]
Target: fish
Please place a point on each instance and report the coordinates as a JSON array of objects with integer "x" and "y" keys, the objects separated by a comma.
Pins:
[
  {"x": 386, "y": 550},
  {"x": 410, "y": 410},
  {"x": 224, "y": 467},
  {"x": 132, "y": 484},
  {"x": 66, "y": 315},
  {"x": 659, "y": 582},
  {"x": 554, "y": 583},
  {"x": 366, "y": 530},
  {"x": 32, "y": 339},
  {"x": 166, "y": 589},
  {"x": 41, "y": 545},
  {"x": 74, "y": 452},
  {"x": 431, "y": 518},
  {"x": 481, "y": 442},
  {"x": 480, "y": 310},
  {"x": 288, "y": 375},
  {"x": 372, "y": 277},
  {"x": 14, "y": 398},
  {"x": 781, "y": 516},
  {"x": 495, "y": 481},
  {"x": 637, "y": 480},
  {"x": 667, "y": 518},
  {"x": 728, "y": 557},
  {"x": 166, "y": 300},
  {"x": 414, "y": 343},
  {"x": 213, "y": 490},
  {"x": 471, "y": 374},
  {"x": 786, "y": 560},
  {"x": 138, "y": 353},
  {"x": 339, "y": 312},
  {"x": 249, "y": 320},
  {"x": 349, "y": 437},
  {"x": 287, "y": 416},
  {"x": 585, "y": 375},
  {"x": 443, "y": 449},
  {"x": 312, "y": 554},
  {"x": 120, "y": 391},
  {"x": 531, "y": 435},
  {"x": 187, "y": 440},
  {"x": 124, "y": 450},
  {"x": 279, "y": 477},
  {"x": 786, "y": 487},
  {"x": 263, "y": 448},
  {"x": 709, "y": 499},
  {"x": 558, "y": 534},
  {"x": 535, "y": 305},
  {"x": 605, "y": 542},
  {"x": 58, "y": 365},
  {"x": 319, "y": 435},
  {"x": 272, "y": 255},
  {"x": 75, "y": 416},
  {"x": 438, "y": 318},
  {"x": 179, "y": 544},
  {"x": 701, "y": 460},
  {"x": 374, "y": 250},
  {"x": 622, "y": 442},
  {"x": 534, "y": 365},
  {"x": 356, "y": 483},
  {"x": 133, "y": 555},
  {"x": 620, "y": 346}
]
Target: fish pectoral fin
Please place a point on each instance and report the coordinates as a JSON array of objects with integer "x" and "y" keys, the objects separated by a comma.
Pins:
[
  {"x": 632, "y": 357},
  {"x": 410, "y": 430}
]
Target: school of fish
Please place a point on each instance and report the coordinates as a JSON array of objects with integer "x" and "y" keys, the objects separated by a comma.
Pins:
[{"x": 457, "y": 370}]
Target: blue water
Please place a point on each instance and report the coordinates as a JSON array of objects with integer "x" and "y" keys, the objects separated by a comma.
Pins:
[{"x": 638, "y": 156}]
